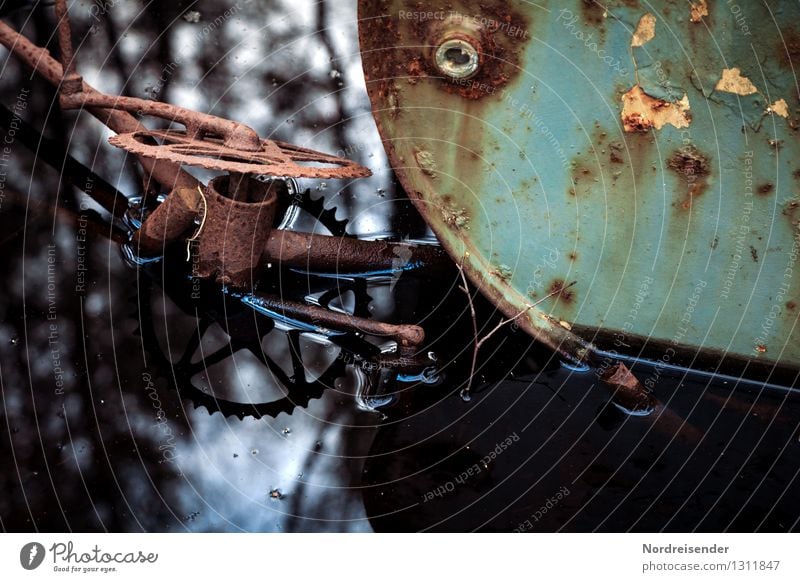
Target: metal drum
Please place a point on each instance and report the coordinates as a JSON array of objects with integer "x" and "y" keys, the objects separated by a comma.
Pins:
[{"x": 628, "y": 169}]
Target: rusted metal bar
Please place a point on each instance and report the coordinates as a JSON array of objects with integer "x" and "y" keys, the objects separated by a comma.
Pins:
[
  {"x": 72, "y": 82},
  {"x": 169, "y": 175},
  {"x": 408, "y": 337},
  {"x": 236, "y": 135},
  {"x": 348, "y": 255},
  {"x": 169, "y": 222},
  {"x": 626, "y": 389},
  {"x": 173, "y": 219}
]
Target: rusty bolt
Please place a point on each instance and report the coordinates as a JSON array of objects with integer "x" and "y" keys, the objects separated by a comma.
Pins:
[{"x": 458, "y": 57}]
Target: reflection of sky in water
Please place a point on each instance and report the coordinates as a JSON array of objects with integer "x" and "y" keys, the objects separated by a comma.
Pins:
[
  {"x": 99, "y": 462},
  {"x": 231, "y": 468}
]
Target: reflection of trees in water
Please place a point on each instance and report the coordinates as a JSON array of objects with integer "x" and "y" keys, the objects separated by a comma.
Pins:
[{"x": 99, "y": 457}]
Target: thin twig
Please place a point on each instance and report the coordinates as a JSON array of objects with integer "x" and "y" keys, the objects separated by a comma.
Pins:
[{"x": 478, "y": 343}]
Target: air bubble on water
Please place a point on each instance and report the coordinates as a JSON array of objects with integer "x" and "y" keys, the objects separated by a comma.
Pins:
[
  {"x": 192, "y": 16},
  {"x": 318, "y": 446},
  {"x": 287, "y": 431},
  {"x": 14, "y": 340},
  {"x": 254, "y": 452},
  {"x": 466, "y": 396},
  {"x": 322, "y": 186},
  {"x": 433, "y": 356},
  {"x": 336, "y": 74}
]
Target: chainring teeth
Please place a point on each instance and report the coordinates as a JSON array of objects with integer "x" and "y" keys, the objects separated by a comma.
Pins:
[{"x": 298, "y": 396}]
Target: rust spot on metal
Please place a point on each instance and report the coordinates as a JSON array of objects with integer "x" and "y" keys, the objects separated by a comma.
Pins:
[
  {"x": 732, "y": 81},
  {"x": 780, "y": 107},
  {"x": 504, "y": 273},
  {"x": 426, "y": 162},
  {"x": 561, "y": 290},
  {"x": 754, "y": 253},
  {"x": 698, "y": 10},
  {"x": 766, "y": 189},
  {"x": 791, "y": 305},
  {"x": 498, "y": 37},
  {"x": 693, "y": 167},
  {"x": 594, "y": 12},
  {"x": 796, "y": 174},
  {"x": 761, "y": 349},
  {"x": 584, "y": 176},
  {"x": 642, "y": 112},
  {"x": 457, "y": 217},
  {"x": 615, "y": 153},
  {"x": 572, "y": 256},
  {"x": 792, "y": 211},
  {"x": 775, "y": 143},
  {"x": 415, "y": 71},
  {"x": 689, "y": 163},
  {"x": 645, "y": 30},
  {"x": 787, "y": 50}
]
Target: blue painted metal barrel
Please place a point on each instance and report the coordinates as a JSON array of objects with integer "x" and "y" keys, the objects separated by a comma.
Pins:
[{"x": 629, "y": 169}]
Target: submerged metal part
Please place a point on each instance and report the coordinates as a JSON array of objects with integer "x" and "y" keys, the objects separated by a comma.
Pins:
[{"x": 600, "y": 144}]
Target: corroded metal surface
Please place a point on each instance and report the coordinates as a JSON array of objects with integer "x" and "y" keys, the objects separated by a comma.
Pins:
[
  {"x": 169, "y": 222},
  {"x": 233, "y": 231},
  {"x": 271, "y": 158},
  {"x": 647, "y": 151},
  {"x": 344, "y": 255},
  {"x": 39, "y": 59}
]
